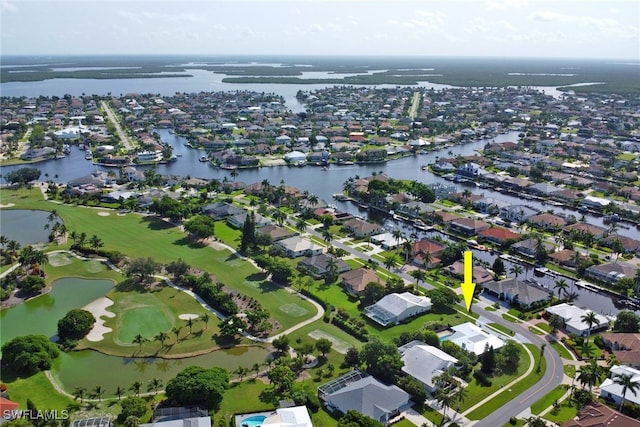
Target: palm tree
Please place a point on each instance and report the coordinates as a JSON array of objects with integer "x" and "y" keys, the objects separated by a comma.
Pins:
[
  {"x": 628, "y": 384},
  {"x": 241, "y": 371},
  {"x": 590, "y": 318},
  {"x": 176, "y": 330},
  {"x": 3, "y": 240},
  {"x": 162, "y": 337},
  {"x": 136, "y": 387},
  {"x": 234, "y": 174},
  {"x": 79, "y": 392},
  {"x": 155, "y": 384},
  {"x": 82, "y": 239},
  {"x": 390, "y": 260},
  {"x": 95, "y": 242},
  {"x": 301, "y": 225},
  {"x": 516, "y": 270},
  {"x": 139, "y": 339},
  {"x": 419, "y": 275},
  {"x": 407, "y": 248},
  {"x": 98, "y": 392},
  {"x": 589, "y": 375},
  {"x": 313, "y": 199},
  {"x": 398, "y": 235},
  {"x": 119, "y": 392},
  {"x": 445, "y": 399},
  {"x": 327, "y": 235},
  {"x": 190, "y": 324},
  {"x": 256, "y": 369},
  {"x": 427, "y": 258},
  {"x": 205, "y": 319},
  {"x": 562, "y": 286}
]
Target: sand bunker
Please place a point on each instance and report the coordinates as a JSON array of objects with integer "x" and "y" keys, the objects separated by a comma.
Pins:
[
  {"x": 8, "y": 205},
  {"x": 103, "y": 213},
  {"x": 187, "y": 316},
  {"x": 99, "y": 309}
]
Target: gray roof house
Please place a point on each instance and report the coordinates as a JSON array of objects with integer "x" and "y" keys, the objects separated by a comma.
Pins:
[
  {"x": 611, "y": 272},
  {"x": 394, "y": 308},
  {"x": 297, "y": 246},
  {"x": 517, "y": 213},
  {"x": 318, "y": 265},
  {"x": 516, "y": 291},
  {"x": 424, "y": 362},
  {"x": 221, "y": 210},
  {"x": 238, "y": 220},
  {"x": 366, "y": 395}
]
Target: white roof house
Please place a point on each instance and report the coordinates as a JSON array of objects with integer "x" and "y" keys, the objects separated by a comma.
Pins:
[
  {"x": 296, "y": 416},
  {"x": 424, "y": 362},
  {"x": 295, "y": 156},
  {"x": 572, "y": 317},
  {"x": 611, "y": 390},
  {"x": 394, "y": 308},
  {"x": 297, "y": 246},
  {"x": 471, "y": 338}
]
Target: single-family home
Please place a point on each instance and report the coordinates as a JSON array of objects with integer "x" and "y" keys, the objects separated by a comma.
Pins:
[
  {"x": 480, "y": 274},
  {"x": 239, "y": 219},
  {"x": 471, "y": 338},
  {"x": 221, "y": 210},
  {"x": 498, "y": 235},
  {"x": 573, "y": 316},
  {"x": 276, "y": 232},
  {"x": 355, "y": 281},
  {"x": 517, "y": 292},
  {"x": 364, "y": 394},
  {"x": 427, "y": 246},
  {"x": 424, "y": 362},
  {"x": 397, "y": 307},
  {"x": 611, "y": 272},
  {"x": 625, "y": 346},
  {"x": 298, "y": 246},
  {"x": 599, "y": 415},
  {"x": 468, "y": 226},
  {"x": 290, "y": 416},
  {"x": 548, "y": 221},
  {"x": 585, "y": 228},
  {"x": 612, "y": 391},
  {"x": 361, "y": 228},
  {"x": 517, "y": 213},
  {"x": 320, "y": 265},
  {"x": 529, "y": 247}
]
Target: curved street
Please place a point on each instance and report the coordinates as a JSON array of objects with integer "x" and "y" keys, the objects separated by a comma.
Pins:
[{"x": 554, "y": 371}]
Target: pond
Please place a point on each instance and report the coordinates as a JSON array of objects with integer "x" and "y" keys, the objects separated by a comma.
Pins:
[
  {"x": 25, "y": 226},
  {"x": 89, "y": 368}
]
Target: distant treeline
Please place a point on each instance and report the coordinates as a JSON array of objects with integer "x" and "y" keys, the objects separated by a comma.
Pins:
[{"x": 615, "y": 77}]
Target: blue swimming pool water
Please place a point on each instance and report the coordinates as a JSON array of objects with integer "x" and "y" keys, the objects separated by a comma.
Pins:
[{"x": 253, "y": 421}]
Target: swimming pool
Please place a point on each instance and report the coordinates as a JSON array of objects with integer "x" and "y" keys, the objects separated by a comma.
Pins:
[{"x": 253, "y": 421}]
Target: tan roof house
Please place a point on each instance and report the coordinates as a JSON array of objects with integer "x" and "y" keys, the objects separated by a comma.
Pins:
[{"x": 355, "y": 281}]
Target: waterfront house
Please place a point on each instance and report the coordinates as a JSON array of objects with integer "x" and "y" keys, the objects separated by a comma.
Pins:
[
  {"x": 629, "y": 245},
  {"x": 480, "y": 274},
  {"x": 364, "y": 394},
  {"x": 584, "y": 228},
  {"x": 625, "y": 346},
  {"x": 517, "y": 213},
  {"x": 548, "y": 221},
  {"x": 361, "y": 228},
  {"x": 572, "y": 317},
  {"x": 517, "y": 292},
  {"x": 318, "y": 265},
  {"x": 298, "y": 246},
  {"x": 424, "y": 246},
  {"x": 489, "y": 205},
  {"x": 397, "y": 307},
  {"x": 387, "y": 241},
  {"x": 238, "y": 220},
  {"x": 611, "y": 272},
  {"x": 424, "y": 362},
  {"x": 355, "y": 281},
  {"x": 565, "y": 257},
  {"x": 498, "y": 235},
  {"x": 529, "y": 247},
  {"x": 468, "y": 226}
]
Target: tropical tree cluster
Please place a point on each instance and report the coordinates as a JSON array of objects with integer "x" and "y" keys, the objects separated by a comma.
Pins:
[
  {"x": 29, "y": 354},
  {"x": 75, "y": 325},
  {"x": 197, "y": 385}
]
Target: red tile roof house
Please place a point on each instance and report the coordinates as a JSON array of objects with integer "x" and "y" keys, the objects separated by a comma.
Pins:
[
  {"x": 480, "y": 274},
  {"x": 598, "y": 415},
  {"x": 625, "y": 346},
  {"x": 548, "y": 221},
  {"x": 432, "y": 247},
  {"x": 499, "y": 235},
  {"x": 468, "y": 226}
]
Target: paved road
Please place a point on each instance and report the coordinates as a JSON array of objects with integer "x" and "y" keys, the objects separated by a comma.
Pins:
[
  {"x": 123, "y": 136},
  {"x": 554, "y": 370},
  {"x": 551, "y": 379}
]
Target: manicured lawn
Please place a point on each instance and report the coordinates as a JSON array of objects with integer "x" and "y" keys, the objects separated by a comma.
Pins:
[
  {"x": 476, "y": 392},
  {"x": 548, "y": 400},
  {"x": 490, "y": 308},
  {"x": 515, "y": 389},
  {"x": 37, "y": 388},
  {"x": 562, "y": 350},
  {"x": 544, "y": 326},
  {"x": 241, "y": 398},
  {"x": 567, "y": 412},
  {"x": 570, "y": 370},
  {"x": 535, "y": 330},
  {"x": 510, "y": 318},
  {"x": 432, "y": 415}
]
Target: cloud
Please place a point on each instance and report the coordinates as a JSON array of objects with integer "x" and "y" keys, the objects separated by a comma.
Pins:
[
  {"x": 506, "y": 4},
  {"x": 316, "y": 28},
  {"x": 478, "y": 25},
  {"x": 7, "y": 7}
]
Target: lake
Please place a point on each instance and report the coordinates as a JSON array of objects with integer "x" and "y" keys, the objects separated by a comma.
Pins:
[{"x": 24, "y": 226}]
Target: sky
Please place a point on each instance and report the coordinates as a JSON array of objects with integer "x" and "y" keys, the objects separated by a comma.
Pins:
[{"x": 592, "y": 29}]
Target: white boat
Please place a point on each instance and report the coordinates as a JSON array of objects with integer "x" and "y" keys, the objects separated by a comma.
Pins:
[
  {"x": 88, "y": 155},
  {"x": 203, "y": 159}
]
